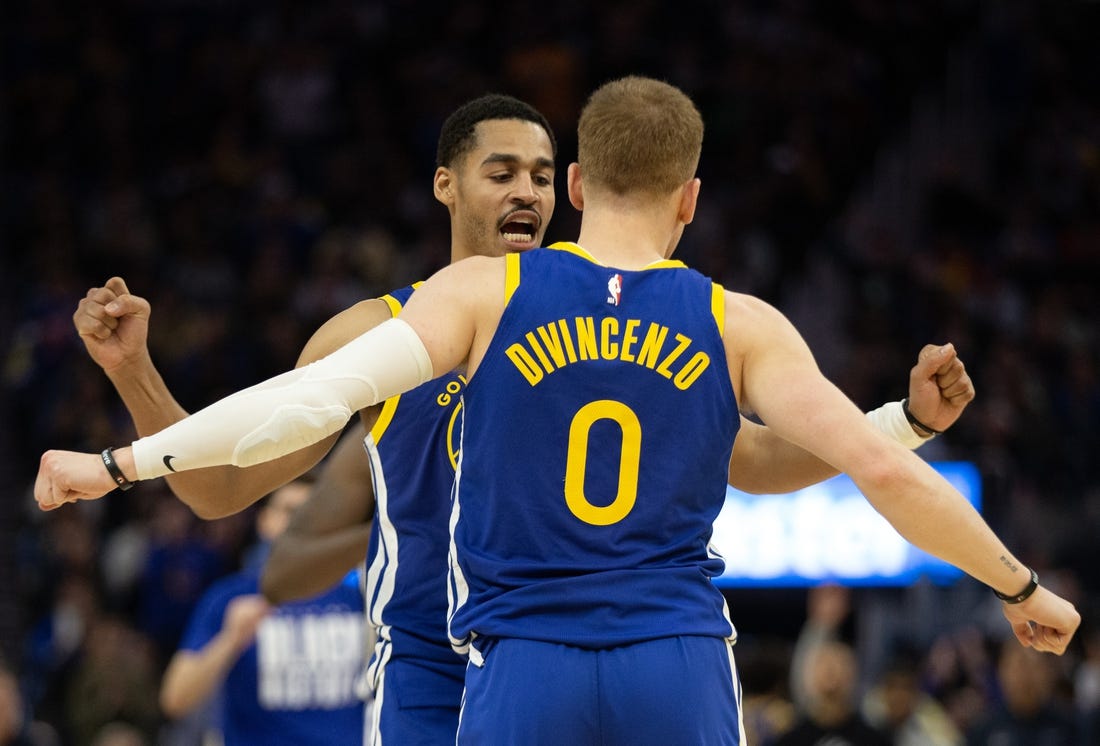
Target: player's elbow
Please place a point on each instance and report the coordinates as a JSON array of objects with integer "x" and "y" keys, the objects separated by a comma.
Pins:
[
  {"x": 881, "y": 473},
  {"x": 209, "y": 505},
  {"x": 208, "y": 510}
]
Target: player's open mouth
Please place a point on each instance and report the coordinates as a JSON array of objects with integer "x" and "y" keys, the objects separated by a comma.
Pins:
[{"x": 520, "y": 229}]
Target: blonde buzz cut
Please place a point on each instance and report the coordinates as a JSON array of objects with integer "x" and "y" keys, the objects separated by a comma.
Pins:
[{"x": 639, "y": 135}]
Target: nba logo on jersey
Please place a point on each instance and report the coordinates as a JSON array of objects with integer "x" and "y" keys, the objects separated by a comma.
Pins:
[{"x": 614, "y": 289}]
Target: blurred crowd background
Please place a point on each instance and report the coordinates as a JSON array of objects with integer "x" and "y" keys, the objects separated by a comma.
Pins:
[{"x": 888, "y": 173}]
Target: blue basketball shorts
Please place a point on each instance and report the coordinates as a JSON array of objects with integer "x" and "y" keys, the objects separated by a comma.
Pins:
[
  {"x": 416, "y": 701},
  {"x": 663, "y": 692}
]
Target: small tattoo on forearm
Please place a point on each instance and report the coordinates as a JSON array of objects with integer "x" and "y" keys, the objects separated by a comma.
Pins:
[{"x": 1009, "y": 564}]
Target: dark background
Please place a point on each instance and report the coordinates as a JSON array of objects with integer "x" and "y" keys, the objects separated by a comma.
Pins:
[{"x": 887, "y": 173}]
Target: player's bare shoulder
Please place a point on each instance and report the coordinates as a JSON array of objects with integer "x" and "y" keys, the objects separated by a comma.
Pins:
[
  {"x": 747, "y": 315},
  {"x": 475, "y": 267},
  {"x": 750, "y": 324},
  {"x": 475, "y": 283},
  {"x": 456, "y": 311}
]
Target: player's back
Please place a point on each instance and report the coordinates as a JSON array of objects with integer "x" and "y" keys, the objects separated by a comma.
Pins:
[{"x": 596, "y": 439}]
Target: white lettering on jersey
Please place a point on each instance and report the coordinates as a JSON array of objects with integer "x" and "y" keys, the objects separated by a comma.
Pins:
[{"x": 309, "y": 661}]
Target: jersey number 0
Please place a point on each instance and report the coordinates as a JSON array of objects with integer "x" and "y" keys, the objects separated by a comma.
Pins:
[{"x": 577, "y": 461}]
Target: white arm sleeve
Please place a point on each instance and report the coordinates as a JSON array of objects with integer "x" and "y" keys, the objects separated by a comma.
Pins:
[
  {"x": 890, "y": 419},
  {"x": 291, "y": 410}
]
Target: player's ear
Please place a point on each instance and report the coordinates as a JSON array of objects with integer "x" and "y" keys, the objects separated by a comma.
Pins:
[
  {"x": 689, "y": 198},
  {"x": 443, "y": 185},
  {"x": 573, "y": 183}
]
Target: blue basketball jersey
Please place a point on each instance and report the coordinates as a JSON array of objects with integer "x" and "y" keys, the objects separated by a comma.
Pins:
[
  {"x": 295, "y": 684},
  {"x": 413, "y": 449},
  {"x": 596, "y": 440}
]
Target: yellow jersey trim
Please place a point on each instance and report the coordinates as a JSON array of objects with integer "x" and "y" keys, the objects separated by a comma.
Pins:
[
  {"x": 385, "y": 417},
  {"x": 511, "y": 276},
  {"x": 389, "y": 407},
  {"x": 718, "y": 306},
  {"x": 573, "y": 248},
  {"x": 580, "y": 251},
  {"x": 393, "y": 303}
]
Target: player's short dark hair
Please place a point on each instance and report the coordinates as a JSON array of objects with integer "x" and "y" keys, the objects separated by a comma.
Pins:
[{"x": 457, "y": 136}]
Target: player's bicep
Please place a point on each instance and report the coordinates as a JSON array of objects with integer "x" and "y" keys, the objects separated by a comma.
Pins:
[
  {"x": 343, "y": 328},
  {"x": 329, "y": 337},
  {"x": 444, "y": 311},
  {"x": 781, "y": 383}
]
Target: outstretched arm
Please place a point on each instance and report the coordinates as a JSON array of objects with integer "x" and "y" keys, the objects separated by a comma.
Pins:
[
  {"x": 774, "y": 373},
  {"x": 113, "y": 324},
  {"x": 939, "y": 390},
  {"x": 453, "y": 322},
  {"x": 329, "y": 534},
  {"x": 450, "y": 320}
]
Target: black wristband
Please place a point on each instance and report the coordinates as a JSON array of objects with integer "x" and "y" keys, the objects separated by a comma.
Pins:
[
  {"x": 1023, "y": 595},
  {"x": 121, "y": 481},
  {"x": 927, "y": 431}
]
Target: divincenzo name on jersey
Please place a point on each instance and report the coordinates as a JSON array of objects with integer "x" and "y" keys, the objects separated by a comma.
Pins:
[{"x": 559, "y": 343}]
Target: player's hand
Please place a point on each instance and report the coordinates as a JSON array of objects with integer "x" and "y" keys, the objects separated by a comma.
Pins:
[
  {"x": 243, "y": 616},
  {"x": 939, "y": 386},
  {"x": 66, "y": 476},
  {"x": 113, "y": 324},
  {"x": 1045, "y": 621}
]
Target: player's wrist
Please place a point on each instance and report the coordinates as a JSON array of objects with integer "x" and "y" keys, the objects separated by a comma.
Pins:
[
  {"x": 925, "y": 431},
  {"x": 1023, "y": 595},
  {"x": 890, "y": 419},
  {"x": 131, "y": 367},
  {"x": 115, "y": 462}
]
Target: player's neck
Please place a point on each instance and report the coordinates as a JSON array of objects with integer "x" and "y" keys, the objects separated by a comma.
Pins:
[
  {"x": 624, "y": 238},
  {"x": 460, "y": 252}
]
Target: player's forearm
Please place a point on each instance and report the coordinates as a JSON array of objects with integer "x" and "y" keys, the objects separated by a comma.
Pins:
[
  {"x": 929, "y": 513},
  {"x": 303, "y": 566},
  {"x": 764, "y": 463},
  {"x": 293, "y": 418},
  {"x": 211, "y": 493},
  {"x": 917, "y": 501},
  {"x": 219, "y": 491},
  {"x": 147, "y": 398},
  {"x": 293, "y": 410},
  {"x": 330, "y": 533},
  {"x": 193, "y": 677}
]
